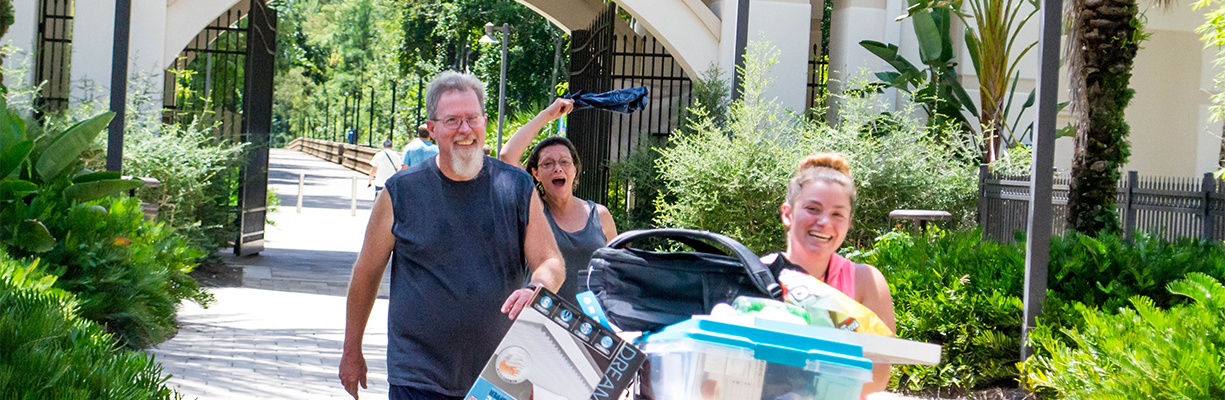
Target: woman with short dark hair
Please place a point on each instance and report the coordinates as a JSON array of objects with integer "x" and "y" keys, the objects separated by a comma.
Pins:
[{"x": 579, "y": 226}]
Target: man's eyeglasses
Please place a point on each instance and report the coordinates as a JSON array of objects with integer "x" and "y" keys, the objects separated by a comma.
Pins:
[
  {"x": 564, "y": 163},
  {"x": 474, "y": 121}
]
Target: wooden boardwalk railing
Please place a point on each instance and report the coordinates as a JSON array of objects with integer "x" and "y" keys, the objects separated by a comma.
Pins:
[{"x": 354, "y": 157}]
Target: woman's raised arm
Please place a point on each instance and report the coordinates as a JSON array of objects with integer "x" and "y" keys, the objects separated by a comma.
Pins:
[{"x": 512, "y": 150}]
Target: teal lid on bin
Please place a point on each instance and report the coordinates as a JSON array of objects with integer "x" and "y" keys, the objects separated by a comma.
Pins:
[{"x": 774, "y": 346}]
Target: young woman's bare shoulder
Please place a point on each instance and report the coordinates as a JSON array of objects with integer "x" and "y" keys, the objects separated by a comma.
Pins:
[{"x": 868, "y": 279}]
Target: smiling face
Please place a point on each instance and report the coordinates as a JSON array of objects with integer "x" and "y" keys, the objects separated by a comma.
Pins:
[
  {"x": 555, "y": 170},
  {"x": 818, "y": 218},
  {"x": 461, "y": 147}
]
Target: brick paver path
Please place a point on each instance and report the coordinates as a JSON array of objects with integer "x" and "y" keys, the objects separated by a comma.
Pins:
[{"x": 264, "y": 344}]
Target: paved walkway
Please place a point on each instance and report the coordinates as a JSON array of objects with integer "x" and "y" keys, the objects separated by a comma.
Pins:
[{"x": 279, "y": 336}]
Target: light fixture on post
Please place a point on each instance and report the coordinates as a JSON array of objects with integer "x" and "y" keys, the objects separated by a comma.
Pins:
[{"x": 488, "y": 38}]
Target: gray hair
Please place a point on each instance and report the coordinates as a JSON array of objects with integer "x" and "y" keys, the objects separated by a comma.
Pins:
[
  {"x": 387, "y": 144},
  {"x": 451, "y": 81}
]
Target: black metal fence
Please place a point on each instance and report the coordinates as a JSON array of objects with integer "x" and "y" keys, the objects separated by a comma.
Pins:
[
  {"x": 818, "y": 78},
  {"x": 206, "y": 80},
  {"x": 1167, "y": 207},
  {"x": 54, "y": 55},
  {"x": 601, "y": 61}
]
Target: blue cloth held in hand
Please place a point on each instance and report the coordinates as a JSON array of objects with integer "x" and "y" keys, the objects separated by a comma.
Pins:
[{"x": 624, "y": 101}]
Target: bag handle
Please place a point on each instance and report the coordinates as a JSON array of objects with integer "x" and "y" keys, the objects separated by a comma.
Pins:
[{"x": 758, "y": 273}]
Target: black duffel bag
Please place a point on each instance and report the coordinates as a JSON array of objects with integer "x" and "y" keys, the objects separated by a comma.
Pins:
[{"x": 646, "y": 290}]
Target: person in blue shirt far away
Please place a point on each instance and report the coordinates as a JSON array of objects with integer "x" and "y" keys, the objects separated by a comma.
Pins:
[{"x": 419, "y": 149}]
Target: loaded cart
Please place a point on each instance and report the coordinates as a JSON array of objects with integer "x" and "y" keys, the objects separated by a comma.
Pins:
[{"x": 694, "y": 356}]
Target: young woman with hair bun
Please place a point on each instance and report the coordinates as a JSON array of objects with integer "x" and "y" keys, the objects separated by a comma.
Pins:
[{"x": 817, "y": 214}]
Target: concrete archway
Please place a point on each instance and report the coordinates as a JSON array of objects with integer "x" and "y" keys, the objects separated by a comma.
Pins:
[{"x": 688, "y": 29}]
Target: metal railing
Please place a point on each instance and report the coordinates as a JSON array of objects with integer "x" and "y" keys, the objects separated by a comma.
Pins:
[{"x": 1168, "y": 207}]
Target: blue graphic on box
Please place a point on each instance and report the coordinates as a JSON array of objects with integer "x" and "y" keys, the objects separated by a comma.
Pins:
[
  {"x": 483, "y": 390},
  {"x": 591, "y": 306}
]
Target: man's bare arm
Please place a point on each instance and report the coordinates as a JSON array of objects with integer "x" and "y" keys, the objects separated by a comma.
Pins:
[
  {"x": 363, "y": 289},
  {"x": 543, "y": 257}
]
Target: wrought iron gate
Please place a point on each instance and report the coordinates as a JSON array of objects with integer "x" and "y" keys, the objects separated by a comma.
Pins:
[
  {"x": 54, "y": 54},
  {"x": 223, "y": 78},
  {"x": 601, "y": 60}
]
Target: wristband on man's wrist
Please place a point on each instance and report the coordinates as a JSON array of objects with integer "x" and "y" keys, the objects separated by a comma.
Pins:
[{"x": 531, "y": 286}]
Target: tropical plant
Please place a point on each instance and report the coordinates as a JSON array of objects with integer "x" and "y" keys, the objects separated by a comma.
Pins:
[
  {"x": 953, "y": 289},
  {"x": 1142, "y": 352},
  {"x": 51, "y": 353},
  {"x": 129, "y": 274},
  {"x": 936, "y": 87},
  {"x": 991, "y": 40},
  {"x": 47, "y": 165},
  {"x": 1102, "y": 43}
]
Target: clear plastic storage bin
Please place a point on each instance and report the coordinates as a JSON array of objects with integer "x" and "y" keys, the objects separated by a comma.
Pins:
[{"x": 702, "y": 359}]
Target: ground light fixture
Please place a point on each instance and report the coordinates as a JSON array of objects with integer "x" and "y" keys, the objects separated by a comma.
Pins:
[{"x": 489, "y": 38}]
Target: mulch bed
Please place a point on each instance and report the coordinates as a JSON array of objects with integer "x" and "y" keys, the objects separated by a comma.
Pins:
[{"x": 214, "y": 273}]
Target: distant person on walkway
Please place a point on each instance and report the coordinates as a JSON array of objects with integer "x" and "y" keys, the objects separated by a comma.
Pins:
[
  {"x": 817, "y": 214},
  {"x": 419, "y": 149},
  {"x": 462, "y": 227},
  {"x": 382, "y": 166},
  {"x": 579, "y": 226}
]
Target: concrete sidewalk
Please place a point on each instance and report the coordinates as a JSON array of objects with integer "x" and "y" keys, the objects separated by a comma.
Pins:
[{"x": 314, "y": 251}]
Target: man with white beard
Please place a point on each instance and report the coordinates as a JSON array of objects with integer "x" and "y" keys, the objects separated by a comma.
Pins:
[{"x": 461, "y": 225}]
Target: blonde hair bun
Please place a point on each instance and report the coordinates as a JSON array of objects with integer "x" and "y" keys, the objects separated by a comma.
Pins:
[{"x": 829, "y": 160}]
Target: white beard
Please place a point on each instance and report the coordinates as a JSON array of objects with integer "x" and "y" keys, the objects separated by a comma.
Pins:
[{"x": 466, "y": 163}]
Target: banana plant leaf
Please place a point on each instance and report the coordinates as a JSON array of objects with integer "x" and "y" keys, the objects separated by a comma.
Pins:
[
  {"x": 96, "y": 176},
  {"x": 67, "y": 147},
  {"x": 16, "y": 189},
  {"x": 12, "y": 128},
  {"x": 12, "y": 158},
  {"x": 33, "y": 236},
  {"x": 94, "y": 190}
]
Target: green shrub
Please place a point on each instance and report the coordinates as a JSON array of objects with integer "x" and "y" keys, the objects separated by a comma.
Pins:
[
  {"x": 129, "y": 274},
  {"x": 1143, "y": 352},
  {"x": 955, "y": 290},
  {"x": 1107, "y": 271},
  {"x": 732, "y": 180},
  {"x": 196, "y": 175},
  {"x": 50, "y": 353}
]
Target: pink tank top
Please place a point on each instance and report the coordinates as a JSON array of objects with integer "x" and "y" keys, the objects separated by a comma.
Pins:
[{"x": 840, "y": 274}]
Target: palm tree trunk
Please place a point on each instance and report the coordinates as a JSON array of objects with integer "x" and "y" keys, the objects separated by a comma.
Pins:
[{"x": 1105, "y": 37}]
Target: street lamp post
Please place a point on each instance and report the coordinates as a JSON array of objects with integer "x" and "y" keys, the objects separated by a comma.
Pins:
[
  {"x": 505, "y": 28},
  {"x": 392, "y": 132}
]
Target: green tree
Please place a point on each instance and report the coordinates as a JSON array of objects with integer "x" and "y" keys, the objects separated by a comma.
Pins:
[{"x": 443, "y": 35}]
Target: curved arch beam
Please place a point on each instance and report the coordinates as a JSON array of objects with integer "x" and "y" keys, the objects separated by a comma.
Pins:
[
  {"x": 689, "y": 30},
  {"x": 186, "y": 18}
]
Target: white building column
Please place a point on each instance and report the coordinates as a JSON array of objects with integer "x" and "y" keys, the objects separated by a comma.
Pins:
[
  {"x": 93, "y": 43},
  {"x": 21, "y": 36},
  {"x": 855, "y": 21},
  {"x": 785, "y": 25}
]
